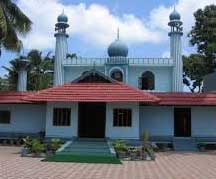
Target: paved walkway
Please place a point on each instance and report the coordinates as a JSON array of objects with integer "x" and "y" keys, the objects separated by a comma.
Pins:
[{"x": 169, "y": 165}]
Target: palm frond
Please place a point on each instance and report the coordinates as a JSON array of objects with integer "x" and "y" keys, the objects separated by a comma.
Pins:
[
  {"x": 18, "y": 19},
  {"x": 11, "y": 41},
  {"x": 3, "y": 24}
]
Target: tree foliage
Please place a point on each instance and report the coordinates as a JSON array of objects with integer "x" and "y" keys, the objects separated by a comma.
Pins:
[
  {"x": 39, "y": 71},
  {"x": 12, "y": 22},
  {"x": 202, "y": 36},
  {"x": 195, "y": 67},
  {"x": 203, "y": 33}
]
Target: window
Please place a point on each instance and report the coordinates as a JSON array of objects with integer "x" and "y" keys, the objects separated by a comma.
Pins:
[
  {"x": 147, "y": 81},
  {"x": 5, "y": 117},
  {"x": 122, "y": 117},
  {"x": 117, "y": 75},
  {"x": 61, "y": 116}
]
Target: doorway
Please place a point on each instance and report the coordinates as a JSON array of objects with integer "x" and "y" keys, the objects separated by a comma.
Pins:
[
  {"x": 92, "y": 120},
  {"x": 182, "y": 122}
]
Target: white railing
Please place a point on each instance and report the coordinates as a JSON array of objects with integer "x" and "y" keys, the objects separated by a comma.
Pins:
[{"x": 130, "y": 61}]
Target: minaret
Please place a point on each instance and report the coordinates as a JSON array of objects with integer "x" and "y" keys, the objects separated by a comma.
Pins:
[
  {"x": 61, "y": 48},
  {"x": 22, "y": 74},
  {"x": 176, "y": 50}
]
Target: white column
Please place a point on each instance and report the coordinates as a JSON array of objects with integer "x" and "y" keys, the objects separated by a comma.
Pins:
[
  {"x": 22, "y": 80},
  {"x": 60, "y": 55},
  {"x": 176, "y": 55}
]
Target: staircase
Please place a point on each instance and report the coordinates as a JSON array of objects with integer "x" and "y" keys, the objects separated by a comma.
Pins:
[
  {"x": 86, "y": 147},
  {"x": 184, "y": 144}
]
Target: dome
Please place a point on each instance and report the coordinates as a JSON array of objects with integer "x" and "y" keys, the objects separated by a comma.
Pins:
[
  {"x": 118, "y": 49},
  {"x": 175, "y": 15},
  {"x": 62, "y": 18}
]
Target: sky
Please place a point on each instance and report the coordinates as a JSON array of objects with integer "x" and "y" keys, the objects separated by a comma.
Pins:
[{"x": 94, "y": 23}]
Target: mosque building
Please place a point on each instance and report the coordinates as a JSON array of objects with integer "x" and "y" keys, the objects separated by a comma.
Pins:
[{"x": 117, "y": 97}]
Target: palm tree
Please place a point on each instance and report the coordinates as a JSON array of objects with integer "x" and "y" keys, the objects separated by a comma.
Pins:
[
  {"x": 40, "y": 70},
  {"x": 12, "y": 22}
]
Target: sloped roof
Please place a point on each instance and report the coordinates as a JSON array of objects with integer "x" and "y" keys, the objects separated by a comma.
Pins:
[
  {"x": 13, "y": 97},
  {"x": 92, "y": 92},
  {"x": 184, "y": 99}
]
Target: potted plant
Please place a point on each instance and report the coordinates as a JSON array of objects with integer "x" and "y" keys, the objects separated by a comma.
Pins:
[
  {"x": 133, "y": 153},
  {"x": 55, "y": 144},
  {"x": 37, "y": 147},
  {"x": 27, "y": 145},
  {"x": 145, "y": 142},
  {"x": 121, "y": 148}
]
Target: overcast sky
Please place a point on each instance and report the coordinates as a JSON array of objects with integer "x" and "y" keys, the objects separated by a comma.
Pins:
[{"x": 94, "y": 23}]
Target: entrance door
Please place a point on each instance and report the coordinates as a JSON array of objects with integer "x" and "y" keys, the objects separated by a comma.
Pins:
[
  {"x": 92, "y": 119},
  {"x": 182, "y": 122}
]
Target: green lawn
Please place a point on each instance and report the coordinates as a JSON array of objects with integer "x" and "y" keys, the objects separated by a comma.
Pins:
[{"x": 83, "y": 159}]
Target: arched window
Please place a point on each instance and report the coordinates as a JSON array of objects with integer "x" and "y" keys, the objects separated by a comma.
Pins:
[
  {"x": 147, "y": 81},
  {"x": 117, "y": 75}
]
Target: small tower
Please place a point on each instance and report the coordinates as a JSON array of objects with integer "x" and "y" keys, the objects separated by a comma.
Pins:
[
  {"x": 61, "y": 48},
  {"x": 22, "y": 74},
  {"x": 176, "y": 50}
]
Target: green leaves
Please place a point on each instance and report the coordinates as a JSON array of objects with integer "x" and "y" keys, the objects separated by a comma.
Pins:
[
  {"x": 39, "y": 71},
  {"x": 196, "y": 67},
  {"x": 202, "y": 36},
  {"x": 12, "y": 22}
]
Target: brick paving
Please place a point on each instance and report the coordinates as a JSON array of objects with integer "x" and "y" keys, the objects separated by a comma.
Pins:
[{"x": 168, "y": 165}]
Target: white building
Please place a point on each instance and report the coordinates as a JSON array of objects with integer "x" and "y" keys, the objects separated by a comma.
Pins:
[{"x": 114, "y": 97}]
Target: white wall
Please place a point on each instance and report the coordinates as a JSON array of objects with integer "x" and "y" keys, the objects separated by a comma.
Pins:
[
  {"x": 25, "y": 118},
  {"x": 122, "y": 132},
  {"x": 163, "y": 76},
  {"x": 73, "y": 72},
  {"x": 157, "y": 120},
  {"x": 203, "y": 121},
  {"x": 62, "y": 131}
]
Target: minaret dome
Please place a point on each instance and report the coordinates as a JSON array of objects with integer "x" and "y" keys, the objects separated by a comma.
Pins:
[
  {"x": 118, "y": 48},
  {"x": 62, "y": 18},
  {"x": 175, "y": 15}
]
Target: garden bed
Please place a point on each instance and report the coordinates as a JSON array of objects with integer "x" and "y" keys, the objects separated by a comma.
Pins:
[{"x": 35, "y": 147}]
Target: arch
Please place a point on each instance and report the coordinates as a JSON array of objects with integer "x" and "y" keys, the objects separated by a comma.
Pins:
[
  {"x": 117, "y": 74},
  {"x": 147, "y": 81}
]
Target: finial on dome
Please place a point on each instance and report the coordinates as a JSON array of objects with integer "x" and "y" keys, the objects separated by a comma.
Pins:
[
  {"x": 175, "y": 15},
  {"x": 62, "y": 17},
  {"x": 118, "y": 36}
]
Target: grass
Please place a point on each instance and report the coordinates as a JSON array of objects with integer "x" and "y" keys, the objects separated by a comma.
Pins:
[{"x": 83, "y": 159}]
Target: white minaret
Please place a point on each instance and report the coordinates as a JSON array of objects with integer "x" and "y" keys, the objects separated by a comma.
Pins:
[
  {"x": 176, "y": 50},
  {"x": 22, "y": 74},
  {"x": 61, "y": 48}
]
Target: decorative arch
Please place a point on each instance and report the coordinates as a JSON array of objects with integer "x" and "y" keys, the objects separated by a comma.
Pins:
[
  {"x": 117, "y": 74},
  {"x": 147, "y": 81}
]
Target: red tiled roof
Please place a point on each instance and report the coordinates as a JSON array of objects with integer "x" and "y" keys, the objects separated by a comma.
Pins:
[
  {"x": 193, "y": 99},
  {"x": 12, "y": 97},
  {"x": 106, "y": 92},
  {"x": 92, "y": 92}
]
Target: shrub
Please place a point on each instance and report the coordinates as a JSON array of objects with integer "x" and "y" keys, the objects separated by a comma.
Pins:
[
  {"x": 27, "y": 142},
  {"x": 120, "y": 145},
  {"x": 55, "y": 144},
  {"x": 37, "y": 146}
]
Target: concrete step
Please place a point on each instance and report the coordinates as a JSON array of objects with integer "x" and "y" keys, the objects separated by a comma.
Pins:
[
  {"x": 77, "y": 147},
  {"x": 184, "y": 144}
]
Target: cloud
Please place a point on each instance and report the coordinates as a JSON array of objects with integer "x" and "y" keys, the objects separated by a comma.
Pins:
[
  {"x": 94, "y": 24},
  {"x": 158, "y": 18}
]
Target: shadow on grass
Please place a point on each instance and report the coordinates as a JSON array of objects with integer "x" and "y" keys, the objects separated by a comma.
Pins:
[{"x": 83, "y": 159}]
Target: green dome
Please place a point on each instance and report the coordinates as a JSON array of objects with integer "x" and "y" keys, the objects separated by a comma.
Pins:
[
  {"x": 175, "y": 15},
  {"x": 62, "y": 18},
  {"x": 118, "y": 49}
]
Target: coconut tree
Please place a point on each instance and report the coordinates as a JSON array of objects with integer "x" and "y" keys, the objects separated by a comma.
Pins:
[
  {"x": 40, "y": 70},
  {"x": 12, "y": 22}
]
